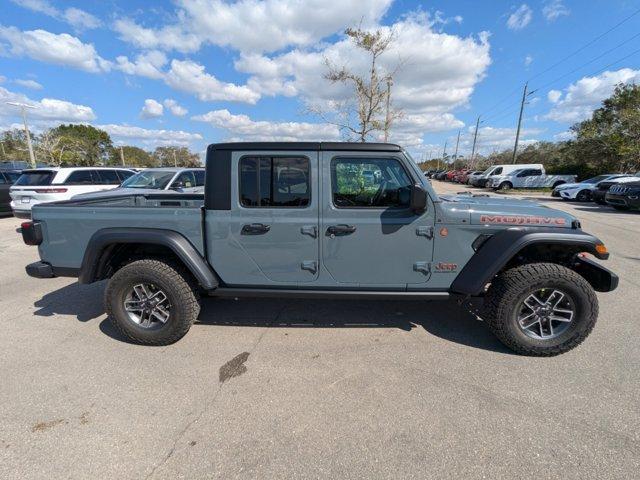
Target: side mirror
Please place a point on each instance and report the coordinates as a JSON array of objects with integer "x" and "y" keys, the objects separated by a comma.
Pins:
[{"x": 418, "y": 201}]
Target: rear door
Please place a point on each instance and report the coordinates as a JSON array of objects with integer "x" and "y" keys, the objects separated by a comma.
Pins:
[
  {"x": 275, "y": 216},
  {"x": 370, "y": 237}
]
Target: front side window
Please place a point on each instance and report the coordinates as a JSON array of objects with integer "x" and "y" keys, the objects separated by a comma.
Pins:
[
  {"x": 275, "y": 182},
  {"x": 153, "y": 179},
  {"x": 497, "y": 171},
  {"x": 369, "y": 183},
  {"x": 184, "y": 180},
  {"x": 199, "y": 178}
]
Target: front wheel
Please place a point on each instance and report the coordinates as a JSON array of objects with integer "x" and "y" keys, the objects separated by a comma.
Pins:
[
  {"x": 505, "y": 186},
  {"x": 541, "y": 309},
  {"x": 583, "y": 196},
  {"x": 152, "y": 302}
]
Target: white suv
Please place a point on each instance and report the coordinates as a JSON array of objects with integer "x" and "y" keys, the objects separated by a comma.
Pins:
[{"x": 42, "y": 185}]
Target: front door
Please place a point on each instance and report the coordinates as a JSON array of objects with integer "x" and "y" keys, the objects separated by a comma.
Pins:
[
  {"x": 370, "y": 237},
  {"x": 276, "y": 220}
]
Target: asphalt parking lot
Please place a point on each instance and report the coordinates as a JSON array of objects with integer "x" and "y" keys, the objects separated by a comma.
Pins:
[{"x": 314, "y": 389}]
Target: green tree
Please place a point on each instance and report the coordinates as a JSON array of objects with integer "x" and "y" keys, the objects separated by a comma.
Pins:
[
  {"x": 134, "y": 157},
  {"x": 176, "y": 156},
  {"x": 611, "y": 137},
  {"x": 83, "y": 145},
  {"x": 13, "y": 146}
]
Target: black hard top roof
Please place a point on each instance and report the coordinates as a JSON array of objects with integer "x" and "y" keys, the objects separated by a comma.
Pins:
[{"x": 350, "y": 146}]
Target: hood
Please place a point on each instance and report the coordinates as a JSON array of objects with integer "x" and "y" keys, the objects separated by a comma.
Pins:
[
  {"x": 569, "y": 186},
  {"x": 493, "y": 210}
]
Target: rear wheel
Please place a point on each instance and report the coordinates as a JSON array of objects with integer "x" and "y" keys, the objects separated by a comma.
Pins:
[
  {"x": 152, "y": 302},
  {"x": 583, "y": 196},
  {"x": 541, "y": 309}
]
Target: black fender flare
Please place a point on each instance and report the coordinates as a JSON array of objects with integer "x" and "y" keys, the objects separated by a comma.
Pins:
[
  {"x": 501, "y": 247},
  {"x": 184, "y": 250}
]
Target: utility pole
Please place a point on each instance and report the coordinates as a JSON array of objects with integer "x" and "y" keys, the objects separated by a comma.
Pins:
[
  {"x": 444, "y": 151},
  {"x": 475, "y": 137},
  {"x": 121, "y": 155},
  {"x": 387, "y": 119},
  {"x": 23, "y": 107},
  {"x": 524, "y": 100},
  {"x": 455, "y": 155}
]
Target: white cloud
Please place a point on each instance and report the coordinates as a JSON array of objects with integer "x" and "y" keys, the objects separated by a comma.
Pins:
[
  {"x": 528, "y": 60},
  {"x": 188, "y": 76},
  {"x": 492, "y": 139},
  {"x": 151, "y": 109},
  {"x": 579, "y": 99},
  {"x": 27, "y": 83},
  {"x": 555, "y": 9},
  {"x": 150, "y": 137},
  {"x": 563, "y": 136},
  {"x": 520, "y": 18},
  {"x": 147, "y": 64},
  {"x": 175, "y": 108},
  {"x": 59, "y": 49},
  {"x": 252, "y": 25},
  {"x": 79, "y": 19},
  {"x": 438, "y": 75},
  {"x": 47, "y": 109},
  {"x": 554, "y": 95},
  {"x": 242, "y": 127}
]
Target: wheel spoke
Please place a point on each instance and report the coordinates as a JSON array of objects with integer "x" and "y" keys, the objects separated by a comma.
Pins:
[
  {"x": 532, "y": 301},
  {"x": 560, "y": 319},
  {"x": 145, "y": 319},
  {"x": 141, "y": 291},
  {"x": 160, "y": 313},
  {"x": 530, "y": 323},
  {"x": 133, "y": 306}
]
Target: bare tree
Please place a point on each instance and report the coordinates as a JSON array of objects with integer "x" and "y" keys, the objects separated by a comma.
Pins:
[{"x": 372, "y": 106}]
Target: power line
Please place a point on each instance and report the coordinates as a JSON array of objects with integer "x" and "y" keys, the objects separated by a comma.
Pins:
[
  {"x": 588, "y": 44},
  {"x": 589, "y": 62}
]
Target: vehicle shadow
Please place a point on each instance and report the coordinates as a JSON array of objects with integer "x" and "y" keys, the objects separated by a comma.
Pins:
[{"x": 443, "y": 319}]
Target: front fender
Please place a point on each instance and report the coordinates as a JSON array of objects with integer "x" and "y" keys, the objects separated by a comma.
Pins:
[{"x": 496, "y": 252}]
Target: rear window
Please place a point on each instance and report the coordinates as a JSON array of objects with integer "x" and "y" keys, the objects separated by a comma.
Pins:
[{"x": 34, "y": 178}]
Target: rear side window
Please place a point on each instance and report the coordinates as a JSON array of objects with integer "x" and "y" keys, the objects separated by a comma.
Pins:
[
  {"x": 82, "y": 177},
  {"x": 35, "y": 178},
  {"x": 199, "y": 178},
  {"x": 369, "y": 183},
  {"x": 275, "y": 182},
  {"x": 108, "y": 177}
]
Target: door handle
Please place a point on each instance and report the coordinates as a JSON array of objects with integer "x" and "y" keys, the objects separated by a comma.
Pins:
[
  {"x": 340, "y": 230},
  {"x": 255, "y": 229}
]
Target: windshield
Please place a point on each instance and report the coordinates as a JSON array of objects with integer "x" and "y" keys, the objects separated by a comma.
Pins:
[
  {"x": 597, "y": 179},
  {"x": 486, "y": 172},
  {"x": 157, "y": 180},
  {"x": 36, "y": 178}
]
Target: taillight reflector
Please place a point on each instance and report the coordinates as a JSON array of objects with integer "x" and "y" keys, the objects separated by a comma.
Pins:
[{"x": 50, "y": 190}]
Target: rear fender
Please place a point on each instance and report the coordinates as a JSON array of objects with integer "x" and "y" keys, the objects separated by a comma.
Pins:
[{"x": 102, "y": 243}]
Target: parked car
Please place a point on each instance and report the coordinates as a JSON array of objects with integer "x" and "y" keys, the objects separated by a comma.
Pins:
[
  {"x": 528, "y": 178},
  {"x": 42, "y": 185},
  {"x": 188, "y": 180},
  {"x": 582, "y": 191},
  {"x": 495, "y": 170},
  {"x": 624, "y": 196},
  {"x": 275, "y": 223},
  {"x": 468, "y": 178},
  {"x": 7, "y": 178},
  {"x": 598, "y": 195}
]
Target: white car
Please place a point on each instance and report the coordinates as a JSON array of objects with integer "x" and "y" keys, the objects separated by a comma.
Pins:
[
  {"x": 582, "y": 191},
  {"x": 53, "y": 184}
]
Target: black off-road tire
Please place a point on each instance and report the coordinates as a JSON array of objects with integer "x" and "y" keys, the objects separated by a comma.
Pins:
[
  {"x": 511, "y": 287},
  {"x": 174, "y": 281}
]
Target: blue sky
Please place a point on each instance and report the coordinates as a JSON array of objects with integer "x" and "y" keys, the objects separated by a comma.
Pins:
[{"x": 192, "y": 72}]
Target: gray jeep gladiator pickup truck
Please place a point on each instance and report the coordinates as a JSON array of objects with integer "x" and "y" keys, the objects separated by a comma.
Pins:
[{"x": 332, "y": 220}]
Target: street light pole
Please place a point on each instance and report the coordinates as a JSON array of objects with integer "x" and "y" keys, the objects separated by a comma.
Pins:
[
  {"x": 24, "y": 106},
  {"x": 387, "y": 119}
]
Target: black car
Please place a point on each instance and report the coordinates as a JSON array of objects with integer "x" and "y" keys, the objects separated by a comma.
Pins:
[
  {"x": 624, "y": 196},
  {"x": 7, "y": 178}
]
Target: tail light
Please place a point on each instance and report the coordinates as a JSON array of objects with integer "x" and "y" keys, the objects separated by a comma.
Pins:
[
  {"x": 31, "y": 233},
  {"x": 50, "y": 190}
]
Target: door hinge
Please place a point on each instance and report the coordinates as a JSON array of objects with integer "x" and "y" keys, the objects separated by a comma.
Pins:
[
  {"x": 310, "y": 230},
  {"x": 422, "y": 267},
  {"x": 309, "y": 265},
  {"x": 425, "y": 232}
]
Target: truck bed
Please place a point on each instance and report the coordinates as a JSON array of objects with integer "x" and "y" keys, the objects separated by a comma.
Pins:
[{"x": 67, "y": 226}]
